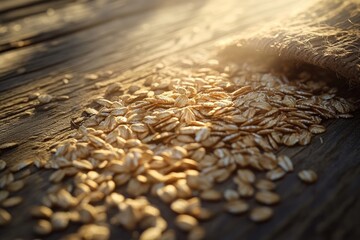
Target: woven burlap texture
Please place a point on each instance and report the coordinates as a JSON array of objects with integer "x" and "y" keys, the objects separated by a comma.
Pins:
[{"x": 326, "y": 35}]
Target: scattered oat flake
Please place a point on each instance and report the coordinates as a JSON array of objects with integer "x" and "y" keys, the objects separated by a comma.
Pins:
[
  {"x": 285, "y": 163},
  {"x": 5, "y": 217},
  {"x": 16, "y": 186},
  {"x": 151, "y": 233},
  {"x": 236, "y": 206},
  {"x": 186, "y": 222},
  {"x": 43, "y": 227},
  {"x": 9, "y": 145},
  {"x": 11, "y": 202},
  {"x": 267, "y": 197},
  {"x": 62, "y": 98},
  {"x": 308, "y": 176},
  {"x": 91, "y": 76},
  {"x": 41, "y": 212},
  {"x": 197, "y": 233},
  {"x": 134, "y": 88},
  {"x": 33, "y": 96},
  {"x": 261, "y": 214},
  {"x": 2, "y": 165},
  {"x": 21, "y": 165},
  {"x": 45, "y": 98},
  {"x": 264, "y": 184},
  {"x": 3, "y": 195}
]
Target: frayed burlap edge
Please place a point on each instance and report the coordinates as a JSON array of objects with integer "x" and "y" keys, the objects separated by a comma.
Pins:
[{"x": 326, "y": 35}]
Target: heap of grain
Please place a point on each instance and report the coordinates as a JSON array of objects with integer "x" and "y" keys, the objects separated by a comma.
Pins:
[{"x": 185, "y": 131}]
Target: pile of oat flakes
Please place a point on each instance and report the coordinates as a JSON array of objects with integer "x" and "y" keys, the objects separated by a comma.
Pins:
[{"x": 186, "y": 130}]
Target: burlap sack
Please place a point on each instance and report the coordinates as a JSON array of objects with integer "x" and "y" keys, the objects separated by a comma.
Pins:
[{"x": 326, "y": 35}]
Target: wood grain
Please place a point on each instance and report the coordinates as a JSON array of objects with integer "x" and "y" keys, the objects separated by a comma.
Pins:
[{"x": 130, "y": 38}]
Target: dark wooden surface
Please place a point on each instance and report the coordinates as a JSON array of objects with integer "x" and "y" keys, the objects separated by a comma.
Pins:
[{"x": 41, "y": 41}]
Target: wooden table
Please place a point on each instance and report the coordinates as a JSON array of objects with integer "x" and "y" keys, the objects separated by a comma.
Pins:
[{"x": 42, "y": 41}]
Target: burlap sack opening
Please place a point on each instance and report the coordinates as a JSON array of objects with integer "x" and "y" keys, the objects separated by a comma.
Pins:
[{"x": 326, "y": 35}]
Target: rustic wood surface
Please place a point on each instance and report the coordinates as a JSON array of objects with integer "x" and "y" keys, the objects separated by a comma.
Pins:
[{"x": 41, "y": 41}]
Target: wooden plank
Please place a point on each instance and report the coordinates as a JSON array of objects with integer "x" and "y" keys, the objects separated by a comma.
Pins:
[
  {"x": 71, "y": 18},
  {"x": 85, "y": 45},
  {"x": 11, "y": 5},
  {"x": 69, "y": 53},
  {"x": 31, "y": 8}
]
